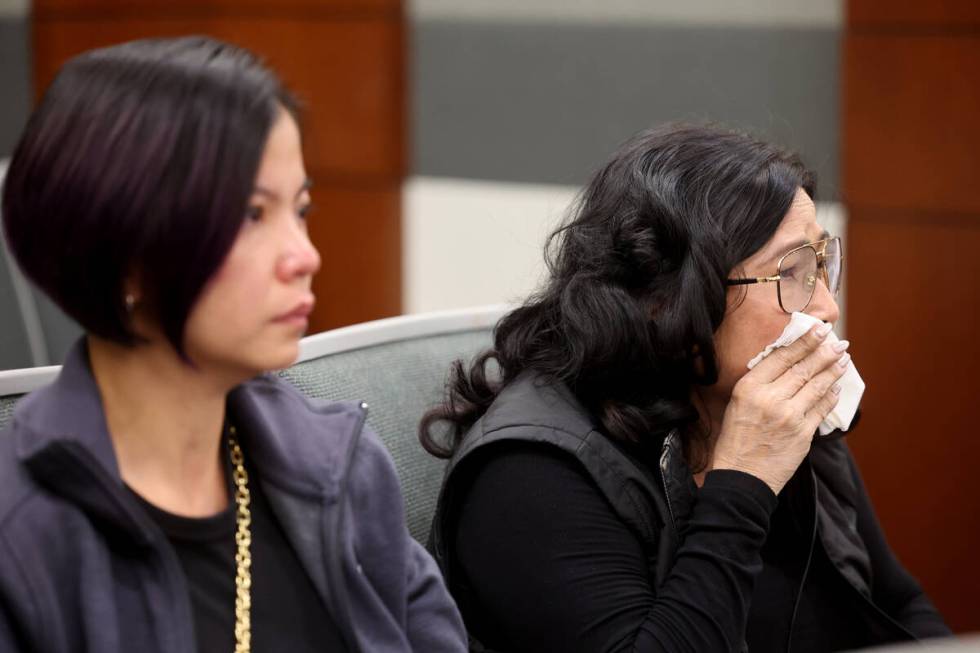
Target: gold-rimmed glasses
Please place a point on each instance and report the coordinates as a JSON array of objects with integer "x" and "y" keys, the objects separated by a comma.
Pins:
[{"x": 796, "y": 276}]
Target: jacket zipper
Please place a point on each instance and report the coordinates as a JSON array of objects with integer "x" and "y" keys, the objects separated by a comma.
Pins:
[{"x": 335, "y": 565}]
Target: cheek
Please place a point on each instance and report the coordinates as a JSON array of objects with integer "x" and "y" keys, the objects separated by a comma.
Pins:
[
  {"x": 744, "y": 333},
  {"x": 236, "y": 282},
  {"x": 228, "y": 297}
]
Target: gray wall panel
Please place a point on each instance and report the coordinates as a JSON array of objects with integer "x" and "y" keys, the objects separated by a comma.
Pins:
[
  {"x": 547, "y": 103},
  {"x": 59, "y": 330},
  {"x": 15, "y": 69},
  {"x": 15, "y": 350}
]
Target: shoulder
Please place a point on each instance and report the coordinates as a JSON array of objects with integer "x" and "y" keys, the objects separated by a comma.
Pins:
[
  {"x": 273, "y": 393},
  {"x": 525, "y": 477},
  {"x": 559, "y": 435},
  {"x": 17, "y": 487},
  {"x": 535, "y": 461},
  {"x": 43, "y": 537},
  {"x": 297, "y": 435},
  {"x": 535, "y": 410},
  {"x": 318, "y": 427}
]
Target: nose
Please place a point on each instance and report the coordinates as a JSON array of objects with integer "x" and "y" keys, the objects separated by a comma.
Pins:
[
  {"x": 299, "y": 257},
  {"x": 822, "y": 304}
]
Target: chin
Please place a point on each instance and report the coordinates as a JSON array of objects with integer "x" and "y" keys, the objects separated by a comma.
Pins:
[
  {"x": 267, "y": 358},
  {"x": 283, "y": 357}
]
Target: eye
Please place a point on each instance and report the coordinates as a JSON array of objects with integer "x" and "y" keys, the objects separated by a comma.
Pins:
[
  {"x": 254, "y": 213},
  {"x": 304, "y": 211}
]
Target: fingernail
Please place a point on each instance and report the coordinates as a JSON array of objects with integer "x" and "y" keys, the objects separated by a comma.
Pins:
[
  {"x": 844, "y": 360},
  {"x": 840, "y": 345},
  {"x": 824, "y": 329},
  {"x": 835, "y": 388}
]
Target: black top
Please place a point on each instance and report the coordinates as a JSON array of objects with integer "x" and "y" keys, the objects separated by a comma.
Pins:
[
  {"x": 287, "y": 613},
  {"x": 566, "y": 574}
]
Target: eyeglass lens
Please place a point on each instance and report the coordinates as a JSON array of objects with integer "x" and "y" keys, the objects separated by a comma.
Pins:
[
  {"x": 832, "y": 263},
  {"x": 797, "y": 279},
  {"x": 798, "y": 275}
]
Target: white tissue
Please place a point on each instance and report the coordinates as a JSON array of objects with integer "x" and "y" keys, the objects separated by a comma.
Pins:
[{"x": 852, "y": 386}]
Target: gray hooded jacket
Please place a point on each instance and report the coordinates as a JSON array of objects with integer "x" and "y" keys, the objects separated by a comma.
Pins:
[{"x": 83, "y": 568}]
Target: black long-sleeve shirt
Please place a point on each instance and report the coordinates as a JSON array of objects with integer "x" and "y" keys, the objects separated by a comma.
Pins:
[{"x": 547, "y": 566}]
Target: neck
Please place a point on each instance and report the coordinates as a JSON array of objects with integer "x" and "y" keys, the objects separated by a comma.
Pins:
[
  {"x": 711, "y": 414},
  {"x": 165, "y": 420}
]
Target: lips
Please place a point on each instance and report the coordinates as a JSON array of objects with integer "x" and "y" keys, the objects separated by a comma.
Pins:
[{"x": 301, "y": 311}]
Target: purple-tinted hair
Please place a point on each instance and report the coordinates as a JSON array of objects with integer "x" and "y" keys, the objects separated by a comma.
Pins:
[{"x": 139, "y": 163}]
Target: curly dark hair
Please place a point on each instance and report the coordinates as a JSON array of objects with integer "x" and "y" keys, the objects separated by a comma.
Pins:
[{"x": 636, "y": 288}]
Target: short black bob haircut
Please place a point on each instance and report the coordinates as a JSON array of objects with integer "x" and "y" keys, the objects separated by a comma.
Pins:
[
  {"x": 636, "y": 286},
  {"x": 138, "y": 164}
]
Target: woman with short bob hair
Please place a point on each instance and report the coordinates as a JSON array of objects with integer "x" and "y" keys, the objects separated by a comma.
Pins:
[
  {"x": 619, "y": 480},
  {"x": 163, "y": 494}
]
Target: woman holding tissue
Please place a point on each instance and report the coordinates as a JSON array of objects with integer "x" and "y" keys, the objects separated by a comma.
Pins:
[
  {"x": 619, "y": 479},
  {"x": 164, "y": 494}
]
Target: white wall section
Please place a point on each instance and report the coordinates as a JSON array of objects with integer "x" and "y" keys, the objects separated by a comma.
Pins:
[
  {"x": 472, "y": 242},
  {"x": 781, "y": 13},
  {"x": 476, "y": 242},
  {"x": 15, "y": 8}
]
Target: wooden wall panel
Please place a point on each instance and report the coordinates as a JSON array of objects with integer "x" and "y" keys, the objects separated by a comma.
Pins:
[
  {"x": 345, "y": 61},
  {"x": 358, "y": 233},
  {"x": 340, "y": 70},
  {"x": 912, "y": 314},
  {"x": 910, "y": 161},
  {"x": 875, "y": 14},
  {"x": 62, "y": 8},
  {"x": 911, "y": 127}
]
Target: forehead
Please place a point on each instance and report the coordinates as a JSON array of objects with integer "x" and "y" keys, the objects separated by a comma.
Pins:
[
  {"x": 798, "y": 226},
  {"x": 282, "y": 156}
]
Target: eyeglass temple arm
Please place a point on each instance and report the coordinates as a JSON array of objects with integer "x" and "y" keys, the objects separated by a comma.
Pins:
[{"x": 745, "y": 282}]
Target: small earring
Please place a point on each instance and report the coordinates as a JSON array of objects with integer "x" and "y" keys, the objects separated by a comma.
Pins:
[{"x": 130, "y": 300}]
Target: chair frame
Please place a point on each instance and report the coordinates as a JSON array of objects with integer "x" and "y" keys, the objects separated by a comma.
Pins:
[
  {"x": 27, "y": 306},
  {"x": 344, "y": 339}
]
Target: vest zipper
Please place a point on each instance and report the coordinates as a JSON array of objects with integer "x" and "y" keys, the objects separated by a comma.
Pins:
[{"x": 663, "y": 479}]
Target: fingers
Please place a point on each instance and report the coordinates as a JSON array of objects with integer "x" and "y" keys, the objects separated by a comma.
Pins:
[
  {"x": 815, "y": 366},
  {"x": 783, "y": 359},
  {"x": 822, "y": 384},
  {"x": 824, "y": 404}
]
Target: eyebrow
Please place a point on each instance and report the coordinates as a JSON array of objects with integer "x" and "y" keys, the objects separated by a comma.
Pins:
[
  {"x": 787, "y": 247},
  {"x": 258, "y": 190}
]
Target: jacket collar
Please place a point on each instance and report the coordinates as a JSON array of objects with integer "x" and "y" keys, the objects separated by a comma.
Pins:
[
  {"x": 67, "y": 411},
  {"x": 62, "y": 439}
]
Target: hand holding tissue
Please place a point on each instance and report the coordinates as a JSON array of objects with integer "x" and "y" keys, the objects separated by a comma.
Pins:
[{"x": 852, "y": 386}]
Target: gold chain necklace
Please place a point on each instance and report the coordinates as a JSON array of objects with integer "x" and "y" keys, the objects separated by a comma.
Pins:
[{"x": 243, "y": 540}]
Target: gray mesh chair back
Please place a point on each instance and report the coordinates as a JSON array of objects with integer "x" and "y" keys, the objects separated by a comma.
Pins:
[
  {"x": 14, "y": 384},
  {"x": 33, "y": 331},
  {"x": 399, "y": 366}
]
